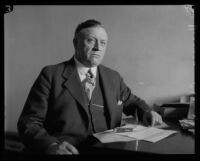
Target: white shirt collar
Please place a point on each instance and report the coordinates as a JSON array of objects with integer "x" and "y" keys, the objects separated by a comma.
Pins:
[{"x": 82, "y": 70}]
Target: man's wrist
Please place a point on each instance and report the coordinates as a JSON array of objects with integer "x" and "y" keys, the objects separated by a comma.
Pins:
[
  {"x": 148, "y": 110},
  {"x": 52, "y": 148},
  {"x": 54, "y": 143},
  {"x": 51, "y": 145}
]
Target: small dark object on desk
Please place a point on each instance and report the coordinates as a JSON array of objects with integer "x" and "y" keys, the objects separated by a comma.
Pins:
[{"x": 121, "y": 130}]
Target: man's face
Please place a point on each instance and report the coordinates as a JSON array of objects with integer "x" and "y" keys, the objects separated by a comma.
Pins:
[{"x": 90, "y": 46}]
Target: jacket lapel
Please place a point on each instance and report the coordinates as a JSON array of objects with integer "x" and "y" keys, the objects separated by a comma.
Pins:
[
  {"x": 73, "y": 84},
  {"x": 109, "y": 95}
]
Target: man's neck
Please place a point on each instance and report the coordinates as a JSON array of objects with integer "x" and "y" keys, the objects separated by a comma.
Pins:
[{"x": 82, "y": 69}]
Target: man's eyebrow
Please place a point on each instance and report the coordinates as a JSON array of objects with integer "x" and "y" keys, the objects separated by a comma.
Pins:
[{"x": 91, "y": 35}]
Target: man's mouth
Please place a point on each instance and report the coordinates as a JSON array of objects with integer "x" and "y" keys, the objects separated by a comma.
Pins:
[{"x": 96, "y": 55}]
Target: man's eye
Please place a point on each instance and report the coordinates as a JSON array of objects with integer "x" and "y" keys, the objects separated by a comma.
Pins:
[
  {"x": 90, "y": 40},
  {"x": 103, "y": 43}
]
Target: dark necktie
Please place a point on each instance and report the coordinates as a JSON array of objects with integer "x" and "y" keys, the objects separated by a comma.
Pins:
[{"x": 89, "y": 83}]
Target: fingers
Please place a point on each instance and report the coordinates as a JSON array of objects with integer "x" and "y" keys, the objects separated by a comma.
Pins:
[
  {"x": 63, "y": 152},
  {"x": 66, "y": 148},
  {"x": 155, "y": 118},
  {"x": 70, "y": 148}
]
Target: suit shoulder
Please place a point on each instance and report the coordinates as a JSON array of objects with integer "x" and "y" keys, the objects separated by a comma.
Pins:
[
  {"x": 54, "y": 69},
  {"x": 110, "y": 71},
  {"x": 54, "y": 66}
]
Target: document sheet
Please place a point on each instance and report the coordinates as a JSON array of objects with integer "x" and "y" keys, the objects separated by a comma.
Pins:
[
  {"x": 110, "y": 136},
  {"x": 134, "y": 132},
  {"x": 151, "y": 134}
]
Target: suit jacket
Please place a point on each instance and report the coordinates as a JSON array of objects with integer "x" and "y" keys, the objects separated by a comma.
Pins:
[{"x": 55, "y": 109}]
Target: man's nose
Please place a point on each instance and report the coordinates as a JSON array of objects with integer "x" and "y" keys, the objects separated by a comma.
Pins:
[{"x": 96, "y": 46}]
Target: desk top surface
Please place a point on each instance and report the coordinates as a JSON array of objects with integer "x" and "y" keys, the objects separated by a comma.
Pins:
[{"x": 182, "y": 142}]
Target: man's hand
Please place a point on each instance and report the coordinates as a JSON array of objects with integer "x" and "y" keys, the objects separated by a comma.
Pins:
[
  {"x": 62, "y": 148},
  {"x": 152, "y": 118}
]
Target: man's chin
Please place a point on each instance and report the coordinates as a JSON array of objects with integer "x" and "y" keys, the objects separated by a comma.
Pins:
[{"x": 95, "y": 63}]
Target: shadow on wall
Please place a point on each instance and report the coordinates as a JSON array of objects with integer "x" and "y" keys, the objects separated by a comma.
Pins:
[{"x": 184, "y": 98}]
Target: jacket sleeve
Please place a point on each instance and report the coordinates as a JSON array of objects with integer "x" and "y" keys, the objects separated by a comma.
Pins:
[
  {"x": 31, "y": 121},
  {"x": 132, "y": 103}
]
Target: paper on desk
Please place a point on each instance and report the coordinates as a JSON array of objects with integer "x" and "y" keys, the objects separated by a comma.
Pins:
[
  {"x": 151, "y": 134},
  {"x": 159, "y": 136},
  {"x": 110, "y": 136}
]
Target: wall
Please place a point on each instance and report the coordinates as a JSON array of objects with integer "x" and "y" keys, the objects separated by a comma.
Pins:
[{"x": 150, "y": 46}]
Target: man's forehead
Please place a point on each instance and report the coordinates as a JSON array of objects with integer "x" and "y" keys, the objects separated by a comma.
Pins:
[{"x": 95, "y": 31}]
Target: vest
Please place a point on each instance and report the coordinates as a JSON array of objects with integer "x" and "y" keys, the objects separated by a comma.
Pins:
[{"x": 96, "y": 108}]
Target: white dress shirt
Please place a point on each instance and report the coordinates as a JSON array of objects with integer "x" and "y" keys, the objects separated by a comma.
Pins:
[{"x": 82, "y": 70}]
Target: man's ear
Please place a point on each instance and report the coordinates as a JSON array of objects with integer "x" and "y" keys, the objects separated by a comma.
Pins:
[{"x": 75, "y": 42}]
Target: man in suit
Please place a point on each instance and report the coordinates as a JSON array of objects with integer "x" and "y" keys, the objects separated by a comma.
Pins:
[{"x": 76, "y": 98}]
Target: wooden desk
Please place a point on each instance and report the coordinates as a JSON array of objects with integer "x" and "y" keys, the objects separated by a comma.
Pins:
[{"x": 182, "y": 142}]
